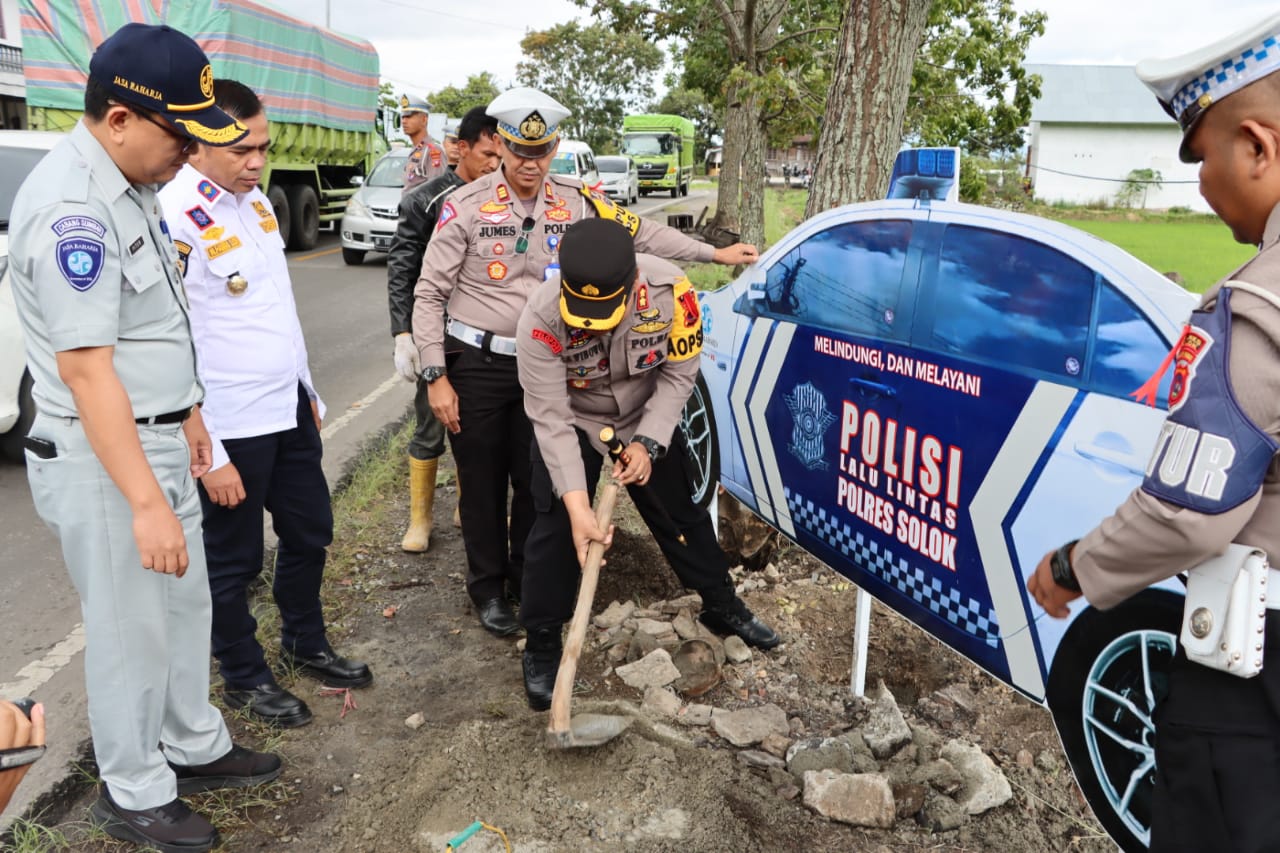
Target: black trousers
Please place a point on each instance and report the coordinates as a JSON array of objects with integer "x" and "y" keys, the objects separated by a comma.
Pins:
[
  {"x": 491, "y": 451},
  {"x": 281, "y": 473},
  {"x": 428, "y": 434},
  {"x": 551, "y": 563},
  {"x": 1218, "y": 758}
]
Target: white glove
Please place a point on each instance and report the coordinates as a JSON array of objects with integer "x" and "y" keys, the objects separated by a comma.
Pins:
[{"x": 407, "y": 363}]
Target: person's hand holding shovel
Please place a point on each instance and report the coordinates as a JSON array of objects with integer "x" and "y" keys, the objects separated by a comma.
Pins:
[{"x": 582, "y": 519}]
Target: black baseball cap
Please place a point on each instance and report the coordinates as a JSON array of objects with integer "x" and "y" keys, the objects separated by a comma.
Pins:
[
  {"x": 162, "y": 70},
  {"x": 597, "y": 268}
]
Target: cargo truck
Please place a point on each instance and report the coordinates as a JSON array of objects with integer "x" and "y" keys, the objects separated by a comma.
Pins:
[
  {"x": 662, "y": 146},
  {"x": 320, "y": 89}
]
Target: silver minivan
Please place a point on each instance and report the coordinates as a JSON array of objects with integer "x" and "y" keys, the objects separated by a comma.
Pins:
[{"x": 373, "y": 212}]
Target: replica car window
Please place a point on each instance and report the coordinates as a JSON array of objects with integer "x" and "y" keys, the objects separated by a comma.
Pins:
[
  {"x": 1012, "y": 301},
  {"x": 1127, "y": 349},
  {"x": 847, "y": 278}
]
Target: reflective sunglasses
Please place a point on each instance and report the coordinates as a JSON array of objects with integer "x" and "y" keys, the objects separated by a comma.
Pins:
[{"x": 522, "y": 242}]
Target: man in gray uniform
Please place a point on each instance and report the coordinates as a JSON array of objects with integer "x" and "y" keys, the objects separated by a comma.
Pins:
[
  {"x": 495, "y": 240},
  {"x": 118, "y": 437},
  {"x": 613, "y": 342},
  {"x": 1217, "y": 761}
]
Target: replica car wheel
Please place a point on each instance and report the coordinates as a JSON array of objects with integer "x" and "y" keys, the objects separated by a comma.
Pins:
[
  {"x": 305, "y": 206},
  {"x": 11, "y": 441},
  {"x": 352, "y": 257},
  {"x": 280, "y": 203},
  {"x": 1110, "y": 671},
  {"x": 697, "y": 425}
]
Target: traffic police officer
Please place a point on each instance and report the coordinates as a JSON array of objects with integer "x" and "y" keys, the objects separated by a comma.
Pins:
[
  {"x": 427, "y": 160},
  {"x": 263, "y": 415},
  {"x": 419, "y": 210},
  {"x": 118, "y": 434},
  {"x": 1217, "y": 735},
  {"x": 450, "y": 142},
  {"x": 495, "y": 240},
  {"x": 613, "y": 342}
]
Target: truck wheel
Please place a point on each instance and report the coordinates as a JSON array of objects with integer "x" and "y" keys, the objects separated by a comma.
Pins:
[
  {"x": 280, "y": 203},
  {"x": 11, "y": 441},
  {"x": 1110, "y": 670},
  {"x": 675, "y": 191},
  {"x": 684, "y": 188},
  {"x": 352, "y": 257},
  {"x": 304, "y": 205}
]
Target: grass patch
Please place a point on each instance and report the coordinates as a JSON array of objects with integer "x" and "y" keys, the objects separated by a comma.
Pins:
[
  {"x": 28, "y": 836},
  {"x": 1200, "y": 249}
]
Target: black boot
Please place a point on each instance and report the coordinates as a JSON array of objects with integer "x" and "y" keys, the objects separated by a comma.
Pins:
[
  {"x": 733, "y": 617},
  {"x": 541, "y": 663}
]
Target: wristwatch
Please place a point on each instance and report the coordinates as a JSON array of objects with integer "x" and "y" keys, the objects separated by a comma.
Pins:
[
  {"x": 1060, "y": 565},
  {"x": 431, "y": 374},
  {"x": 656, "y": 451}
]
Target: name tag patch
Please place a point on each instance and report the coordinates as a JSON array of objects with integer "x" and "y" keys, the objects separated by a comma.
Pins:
[
  {"x": 217, "y": 250},
  {"x": 80, "y": 261}
]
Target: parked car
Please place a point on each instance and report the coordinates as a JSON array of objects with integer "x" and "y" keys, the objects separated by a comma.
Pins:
[
  {"x": 370, "y": 220},
  {"x": 20, "y": 151},
  {"x": 619, "y": 178},
  {"x": 928, "y": 397},
  {"x": 576, "y": 160}
]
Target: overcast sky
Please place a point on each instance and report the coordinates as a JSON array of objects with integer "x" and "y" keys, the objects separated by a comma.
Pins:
[{"x": 451, "y": 41}]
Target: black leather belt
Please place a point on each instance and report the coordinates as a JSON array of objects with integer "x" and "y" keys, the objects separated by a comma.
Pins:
[{"x": 167, "y": 418}]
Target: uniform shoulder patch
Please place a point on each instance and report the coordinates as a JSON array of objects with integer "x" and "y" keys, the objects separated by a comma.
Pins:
[
  {"x": 607, "y": 209},
  {"x": 68, "y": 224},
  {"x": 685, "y": 341},
  {"x": 208, "y": 190},
  {"x": 447, "y": 214},
  {"x": 184, "y": 252},
  {"x": 552, "y": 342},
  {"x": 80, "y": 261}
]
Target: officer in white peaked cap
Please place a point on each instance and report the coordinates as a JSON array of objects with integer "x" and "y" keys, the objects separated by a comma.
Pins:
[{"x": 1217, "y": 735}]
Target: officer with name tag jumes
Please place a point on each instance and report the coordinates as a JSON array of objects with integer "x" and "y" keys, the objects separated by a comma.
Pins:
[{"x": 1213, "y": 479}]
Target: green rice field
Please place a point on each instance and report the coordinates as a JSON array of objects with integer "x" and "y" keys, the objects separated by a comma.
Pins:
[{"x": 1201, "y": 251}]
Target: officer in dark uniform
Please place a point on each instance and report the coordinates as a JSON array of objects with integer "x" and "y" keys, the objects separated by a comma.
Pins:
[
  {"x": 1217, "y": 745},
  {"x": 477, "y": 147},
  {"x": 612, "y": 342}
]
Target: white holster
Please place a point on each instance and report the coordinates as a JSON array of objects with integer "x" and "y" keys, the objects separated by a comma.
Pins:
[{"x": 1225, "y": 615}]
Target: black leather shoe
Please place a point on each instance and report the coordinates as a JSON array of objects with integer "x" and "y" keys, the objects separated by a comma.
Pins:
[
  {"x": 270, "y": 703},
  {"x": 497, "y": 617},
  {"x": 735, "y": 618},
  {"x": 541, "y": 663},
  {"x": 330, "y": 668},
  {"x": 239, "y": 768},
  {"x": 171, "y": 828}
]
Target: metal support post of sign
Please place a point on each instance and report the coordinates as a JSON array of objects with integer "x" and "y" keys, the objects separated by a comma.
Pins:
[{"x": 861, "y": 638}]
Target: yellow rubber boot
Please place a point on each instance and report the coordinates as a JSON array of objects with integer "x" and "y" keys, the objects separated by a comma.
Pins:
[
  {"x": 457, "y": 515},
  {"x": 422, "y": 496}
]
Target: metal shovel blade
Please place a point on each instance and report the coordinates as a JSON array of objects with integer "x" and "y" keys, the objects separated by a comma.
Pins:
[{"x": 588, "y": 730}]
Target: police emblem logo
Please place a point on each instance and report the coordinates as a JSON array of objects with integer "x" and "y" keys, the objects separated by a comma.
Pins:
[
  {"x": 214, "y": 233},
  {"x": 199, "y": 217},
  {"x": 810, "y": 421},
  {"x": 499, "y": 249},
  {"x": 582, "y": 370},
  {"x": 404, "y": 101},
  {"x": 559, "y": 214},
  {"x": 494, "y": 207},
  {"x": 534, "y": 127},
  {"x": 580, "y": 383},
  {"x": 1191, "y": 348},
  {"x": 497, "y": 271},
  {"x": 651, "y": 327},
  {"x": 261, "y": 209},
  {"x": 80, "y": 261},
  {"x": 578, "y": 338},
  {"x": 590, "y": 290},
  {"x": 269, "y": 225},
  {"x": 184, "y": 251},
  {"x": 648, "y": 359},
  {"x": 208, "y": 190},
  {"x": 447, "y": 213},
  {"x": 495, "y": 218},
  {"x": 206, "y": 81}
]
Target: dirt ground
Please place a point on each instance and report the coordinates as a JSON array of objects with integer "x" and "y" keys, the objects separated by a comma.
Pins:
[{"x": 366, "y": 781}]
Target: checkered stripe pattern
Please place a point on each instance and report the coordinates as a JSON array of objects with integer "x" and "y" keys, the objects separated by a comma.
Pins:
[
  {"x": 1228, "y": 76},
  {"x": 968, "y": 615}
]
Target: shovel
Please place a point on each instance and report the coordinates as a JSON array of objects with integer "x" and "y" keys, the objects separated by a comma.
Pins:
[{"x": 585, "y": 729}]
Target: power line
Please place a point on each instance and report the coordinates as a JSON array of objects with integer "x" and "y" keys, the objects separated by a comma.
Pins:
[{"x": 1109, "y": 180}]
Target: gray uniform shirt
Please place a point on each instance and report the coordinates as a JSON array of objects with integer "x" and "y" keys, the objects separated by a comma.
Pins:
[
  {"x": 1148, "y": 540},
  {"x": 472, "y": 267},
  {"x": 92, "y": 265},
  {"x": 635, "y": 379}
]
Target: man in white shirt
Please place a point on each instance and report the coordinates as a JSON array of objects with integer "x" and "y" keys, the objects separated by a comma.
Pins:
[{"x": 263, "y": 415}]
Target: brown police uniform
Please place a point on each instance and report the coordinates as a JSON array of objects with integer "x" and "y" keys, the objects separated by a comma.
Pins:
[
  {"x": 489, "y": 252},
  {"x": 427, "y": 161},
  {"x": 635, "y": 379}
]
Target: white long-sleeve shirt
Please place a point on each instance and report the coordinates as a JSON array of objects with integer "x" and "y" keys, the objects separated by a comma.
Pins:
[{"x": 250, "y": 353}]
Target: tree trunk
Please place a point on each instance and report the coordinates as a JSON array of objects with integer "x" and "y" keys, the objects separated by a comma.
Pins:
[
  {"x": 753, "y": 174},
  {"x": 862, "y": 125},
  {"x": 727, "y": 221}
]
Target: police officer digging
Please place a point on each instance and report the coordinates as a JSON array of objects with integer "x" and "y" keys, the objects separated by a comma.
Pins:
[
  {"x": 614, "y": 342},
  {"x": 1214, "y": 478},
  {"x": 119, "y": 437},
  {"x": 419, "y": 212},
  {"x": 263, "y": 415},
  {"x": 428, "y": 159},
  {"x": 496, "y": 239}
]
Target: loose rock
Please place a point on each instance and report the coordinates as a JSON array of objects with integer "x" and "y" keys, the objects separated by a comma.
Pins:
[
  {"x": 984, "y": 786},
  {"x": 885, "y": 731},
  {"x": 909, "y": 798},
  {"x": 941, "y": 814},
  {"x": 614, "y": 615},
  {"x": 415, "y": 721},
  {"x": 736, "y": 651},
  {"x": 661, "y": 702},
  {"x": 749, "y": 725},
  {"x": 864, "y": 799},
  {"x": 653, "y": 670},
  {"x": 695, "y": 715},
  {"x": 820, "y": 754}
]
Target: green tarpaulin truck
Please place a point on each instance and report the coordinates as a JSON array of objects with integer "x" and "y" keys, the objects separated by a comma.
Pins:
[
  {"x": 662, "y": 146},
  {"x": 320, "y": 88}
]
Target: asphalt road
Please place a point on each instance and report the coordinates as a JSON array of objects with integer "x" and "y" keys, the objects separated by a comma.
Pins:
[{"x": 343, "y": 311}]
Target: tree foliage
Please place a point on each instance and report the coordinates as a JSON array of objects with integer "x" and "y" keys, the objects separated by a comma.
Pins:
[
  {"x": 479, "y": 90},
  {"x": 969, "y": 87},
  {"x": 599, "y": 73}
]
